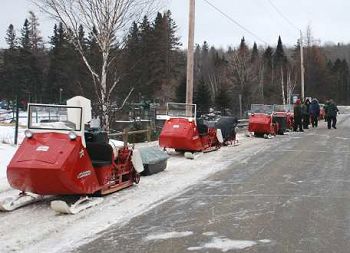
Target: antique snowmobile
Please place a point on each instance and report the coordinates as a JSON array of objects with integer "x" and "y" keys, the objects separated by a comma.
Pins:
[
  {"x": 183, "y": 133},
  {"x": 282, "y": 117},
  {"x": 59, "y": 157},
  {"x": 228, "y": 127},
  {"x": 226, "y": 124},
  {"x": 261, "y": 121}
]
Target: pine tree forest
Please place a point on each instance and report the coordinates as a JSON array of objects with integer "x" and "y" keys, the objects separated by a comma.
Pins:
[{"x": 152, "y": 64}]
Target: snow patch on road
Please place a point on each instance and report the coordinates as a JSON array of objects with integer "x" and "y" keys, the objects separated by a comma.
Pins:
[
  {"x": 265, "y": 241},
  {"x": 225, "y": 244},
  {"x": 210, "y": 233},
  {"x": 168, "y": 235}
]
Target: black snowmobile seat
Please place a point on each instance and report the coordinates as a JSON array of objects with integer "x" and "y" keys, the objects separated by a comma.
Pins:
[
  {"x": 202, "y": 129},
  {"x": 101, "y": 154},
  {"x": 96, "y": 136}
]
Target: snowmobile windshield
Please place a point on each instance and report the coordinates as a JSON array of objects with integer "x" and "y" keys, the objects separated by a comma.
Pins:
[
  {"x": 282, "y": 108},
  {"x": 258, "y": 108},
  {"x": 181, "y": 110},
  {"x": 52, "y": 117}
]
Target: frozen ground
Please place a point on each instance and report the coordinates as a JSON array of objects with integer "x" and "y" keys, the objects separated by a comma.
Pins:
[{"x": 37, "y": 228}]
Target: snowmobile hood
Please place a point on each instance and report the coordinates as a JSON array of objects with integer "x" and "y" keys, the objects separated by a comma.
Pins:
[{"x": 45, "y": 147}]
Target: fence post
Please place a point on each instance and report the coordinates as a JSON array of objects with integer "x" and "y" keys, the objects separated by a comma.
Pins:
[
  {"x": 149, "y": 133},
  {"x": 125, "y": 137}
]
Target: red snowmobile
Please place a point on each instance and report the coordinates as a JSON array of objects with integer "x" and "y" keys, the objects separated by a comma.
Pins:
[
  {"x": 282, "y": 116},
  {"x": 59, "y": 157},
  {"x": 261, "y": 121},
  {"x": 183, "y": 133}
]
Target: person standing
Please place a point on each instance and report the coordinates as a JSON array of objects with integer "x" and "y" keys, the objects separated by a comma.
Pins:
[
  {"x": 297, "y": 117},
  {"x": 331, "y": 112},
  {"x": 306, "y": 114},
  {"x": 314, "y": 112}
]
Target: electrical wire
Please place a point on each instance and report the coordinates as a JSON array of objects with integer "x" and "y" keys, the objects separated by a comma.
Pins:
[
  {"x": 283, "y": 16},
  {"x": 235, "y": 22}
]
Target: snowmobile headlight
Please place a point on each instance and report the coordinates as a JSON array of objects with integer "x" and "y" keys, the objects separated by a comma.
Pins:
[
  {"x": 72, "y": 135},
  {"x": 28, "y": 134}
]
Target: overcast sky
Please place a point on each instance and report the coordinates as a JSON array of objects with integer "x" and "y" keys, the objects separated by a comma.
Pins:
[{"x": 329, "y": 20}]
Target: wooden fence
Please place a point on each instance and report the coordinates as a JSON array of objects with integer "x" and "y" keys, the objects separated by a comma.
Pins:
[{"x": 126, "y": 133}]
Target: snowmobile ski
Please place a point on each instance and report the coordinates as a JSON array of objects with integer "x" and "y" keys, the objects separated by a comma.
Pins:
[
  {"x": 12, "y": 203},
  {"x": 83, "y": 203}
]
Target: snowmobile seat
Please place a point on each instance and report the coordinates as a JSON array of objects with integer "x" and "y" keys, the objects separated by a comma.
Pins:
[
  {"x": 202, "y": 128},
  {"x": 101, "y": 154},
  {"x": 96, "y": 136}
]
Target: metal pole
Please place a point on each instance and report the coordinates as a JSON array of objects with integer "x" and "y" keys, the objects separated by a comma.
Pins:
[
  {"x": 302, "y": 70},
  {"x": 190, "y": 49},
  {"x": 17, "y": 120}
]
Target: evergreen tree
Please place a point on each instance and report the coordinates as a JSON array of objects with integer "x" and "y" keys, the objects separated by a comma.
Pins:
[
  {"x": 255, "y": 53},
  {"x": 222, "y": 100},
  {"x": 25, "y": 39},
  {"x": 202, "y": 98},
  {"x": 35, "y": 39},
  {"x": 181, "y": 91},
  {"x": 67, "y": 74},
  {"x": 9, "y": 69},
  {"x": 243, "y": 49},
  {"x": 279, "y": 57},
  {"x": 11, "y": 37}
]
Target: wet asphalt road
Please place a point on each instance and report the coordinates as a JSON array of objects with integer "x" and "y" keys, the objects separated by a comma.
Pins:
[{"x": 294, "y": 196}]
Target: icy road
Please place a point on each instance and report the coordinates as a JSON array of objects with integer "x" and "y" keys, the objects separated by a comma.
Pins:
[
  {"x": 287, "y": 194},
  {"x": 291, "y": 195}
]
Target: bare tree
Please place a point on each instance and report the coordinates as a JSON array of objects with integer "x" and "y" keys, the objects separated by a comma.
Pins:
[
  {"x": 282, "y": 86},
  {"x": 291, "y": 84},
  {"x": 107, "y": 21}
]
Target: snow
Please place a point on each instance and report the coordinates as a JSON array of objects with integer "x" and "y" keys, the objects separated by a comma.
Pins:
[
  {"x": 168, "y": 235},
  {"x": 225, "y": 244},
  {"x": 265, "y": 241},
  {"x": 6, "y": 153}
]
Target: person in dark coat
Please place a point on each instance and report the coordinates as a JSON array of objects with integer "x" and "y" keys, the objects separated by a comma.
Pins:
[
  {"x": 314, "y": 112},
  {"x": 306, "y": 114},
  {"x": 297, "y": 117},
  {"x": 331, "y": 112}
]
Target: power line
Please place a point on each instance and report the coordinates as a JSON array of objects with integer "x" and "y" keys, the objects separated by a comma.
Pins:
[
  {"x": 283, "y": 16},
  {"x": 235, "y": 22}
]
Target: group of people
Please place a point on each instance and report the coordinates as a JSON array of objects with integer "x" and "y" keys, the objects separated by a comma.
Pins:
[{"x": 304, "y": 112}]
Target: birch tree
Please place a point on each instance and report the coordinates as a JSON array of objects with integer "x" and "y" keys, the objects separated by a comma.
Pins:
[{"x": 107, "y": 21}]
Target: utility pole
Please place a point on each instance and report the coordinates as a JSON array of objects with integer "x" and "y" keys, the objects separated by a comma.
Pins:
[
  {"x": 190, "y": 48},
  {"x": 302, "y": 70}
]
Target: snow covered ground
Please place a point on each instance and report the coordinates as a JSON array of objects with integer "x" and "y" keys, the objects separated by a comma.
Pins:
[{"x": 36, "y": 228}]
